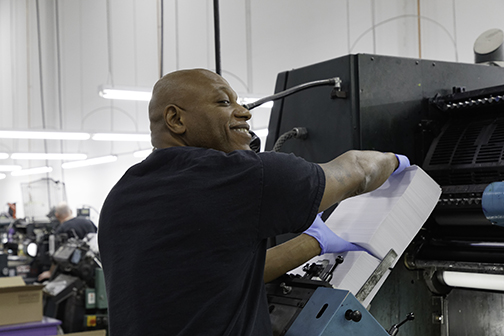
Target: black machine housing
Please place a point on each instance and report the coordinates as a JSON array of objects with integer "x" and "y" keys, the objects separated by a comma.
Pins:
[{"x": 435, "y": 113}]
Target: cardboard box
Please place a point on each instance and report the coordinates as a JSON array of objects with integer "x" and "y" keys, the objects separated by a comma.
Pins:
[{"x": 19, "y": 303}]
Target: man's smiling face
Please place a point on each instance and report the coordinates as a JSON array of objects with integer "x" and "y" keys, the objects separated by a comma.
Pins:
[{"x": 212, "y": 115}]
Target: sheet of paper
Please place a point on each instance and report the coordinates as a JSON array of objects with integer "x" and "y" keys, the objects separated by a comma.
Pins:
[{"x": 386, "y": 218}]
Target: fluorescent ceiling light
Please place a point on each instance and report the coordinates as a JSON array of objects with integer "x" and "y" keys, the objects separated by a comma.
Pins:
[
  {"x": 89, "y": 162},
  {"x": 44, "y": 135},
  {"x": 121, "y": 137},
  {"x": 248, "y": 100},
  {"x": 48, "y": 156},
  {"x": 4, "y": 156},
  {"x": 474, "y": 280},
  {"x": 9, "y": 167},
  {"x": 142, "y": 153},
  {"x": 2, "y": 176},
  {"x": 141, "y": 94},
  {"x": 32, "y": 171}
]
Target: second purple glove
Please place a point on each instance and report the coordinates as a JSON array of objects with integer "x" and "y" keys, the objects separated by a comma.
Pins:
[
  {"x": 403, "y": 163},
  {"x": 329, "y": 241}
]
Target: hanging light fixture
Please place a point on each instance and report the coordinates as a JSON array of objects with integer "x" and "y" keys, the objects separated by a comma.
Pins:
[
  {"x": 8, "y": 168},
  {"x": 44, "y": 135},
  {"x": 32, "y": 171},
  {"x": 48, "y": 156},
  {"x": 124, "y": 93},
  {"x": 121, "y": 137},
  {"x": 89, "y": 162}
]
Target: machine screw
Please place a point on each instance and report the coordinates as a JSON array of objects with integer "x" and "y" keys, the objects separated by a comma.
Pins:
[{"x": 353, "y": 315}]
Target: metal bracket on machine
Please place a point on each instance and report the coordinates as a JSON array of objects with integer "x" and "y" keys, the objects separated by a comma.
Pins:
[
  {"x": 461, "y": 99},
  {"x": 336, "y": 91},
  {"x": 376, "y": 276}
]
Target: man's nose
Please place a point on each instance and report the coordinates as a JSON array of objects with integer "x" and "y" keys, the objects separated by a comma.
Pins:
[{"x": 242, "y": 112}]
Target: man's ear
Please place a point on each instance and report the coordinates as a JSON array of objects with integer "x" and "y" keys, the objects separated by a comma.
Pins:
[{"x": 174, "y": 119}]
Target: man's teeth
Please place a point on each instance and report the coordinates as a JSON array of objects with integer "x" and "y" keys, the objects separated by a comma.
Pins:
[{"x": 243, "y": 130}]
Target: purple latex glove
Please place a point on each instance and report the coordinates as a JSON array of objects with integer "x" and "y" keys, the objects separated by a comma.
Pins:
[
  {"x": 329, "y": 241},
  {"x": 403, "y": 163}
]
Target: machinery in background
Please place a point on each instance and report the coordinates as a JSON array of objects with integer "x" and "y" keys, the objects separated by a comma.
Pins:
[
  {"x": 75, "y": 294},
  {"x": 84, "y": 212},
  {"x": 27, "y": 243},
  {"x": 26, "y": 248}
]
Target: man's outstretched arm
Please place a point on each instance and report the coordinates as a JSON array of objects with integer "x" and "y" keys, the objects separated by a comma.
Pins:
[{"x": 350, "y": 174}]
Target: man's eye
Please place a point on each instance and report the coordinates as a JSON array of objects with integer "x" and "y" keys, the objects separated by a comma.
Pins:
[{"x": 224, "y": 102}]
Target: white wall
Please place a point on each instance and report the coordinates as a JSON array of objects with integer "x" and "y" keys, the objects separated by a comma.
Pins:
[{"x": 83, "y": 45}]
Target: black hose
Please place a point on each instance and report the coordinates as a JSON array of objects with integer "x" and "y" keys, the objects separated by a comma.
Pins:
[
  {"x": 282, "y": 94},
  {"x": 218, "y": 69},
  {"x": 296, "y": 132},
  {"x": 161, "y": 47}
]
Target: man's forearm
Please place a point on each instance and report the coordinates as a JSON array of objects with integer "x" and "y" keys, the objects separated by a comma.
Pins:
[
  {"x": 354, "y": 173},
  {"x": 289, "y": 255}
]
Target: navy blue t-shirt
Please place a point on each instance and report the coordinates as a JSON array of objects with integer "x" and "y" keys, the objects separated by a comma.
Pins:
[
  {"x": 79, "y": 226},
  {"x": 182, "y": 238}
]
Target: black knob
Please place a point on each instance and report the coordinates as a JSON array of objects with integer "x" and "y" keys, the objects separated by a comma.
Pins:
[{"x": 353, "y": 315}]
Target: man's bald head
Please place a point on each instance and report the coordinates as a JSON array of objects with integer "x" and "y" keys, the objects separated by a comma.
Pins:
[{"x": 176, "y": 88}]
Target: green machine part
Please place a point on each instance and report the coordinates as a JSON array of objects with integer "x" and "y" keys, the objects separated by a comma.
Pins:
[{"x": 101, "y": 294}]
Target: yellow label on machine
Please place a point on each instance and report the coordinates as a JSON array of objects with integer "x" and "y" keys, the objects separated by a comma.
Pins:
[{"x": 91, "y": 321}]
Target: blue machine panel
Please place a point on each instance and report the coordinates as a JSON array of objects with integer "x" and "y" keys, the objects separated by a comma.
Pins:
[{"x": 324, "y": 315}]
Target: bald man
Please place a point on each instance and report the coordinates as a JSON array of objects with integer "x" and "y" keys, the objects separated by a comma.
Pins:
[{"x": 183, "y": 234}]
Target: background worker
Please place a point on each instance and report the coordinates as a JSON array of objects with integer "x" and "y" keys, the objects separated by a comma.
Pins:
[{"x": 72, "y": 227}]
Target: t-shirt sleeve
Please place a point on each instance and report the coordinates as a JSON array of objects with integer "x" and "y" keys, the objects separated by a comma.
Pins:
[{"x": 292, "y": 190}]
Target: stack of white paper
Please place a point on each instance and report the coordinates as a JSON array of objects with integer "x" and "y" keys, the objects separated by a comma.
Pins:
[{"x": 386, "y": 218}]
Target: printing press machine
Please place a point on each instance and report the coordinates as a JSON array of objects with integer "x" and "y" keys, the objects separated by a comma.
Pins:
[{"x": 447, "y": 118}]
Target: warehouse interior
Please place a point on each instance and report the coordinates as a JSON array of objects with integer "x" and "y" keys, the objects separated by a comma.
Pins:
[{"x": 410, "y": 80}]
